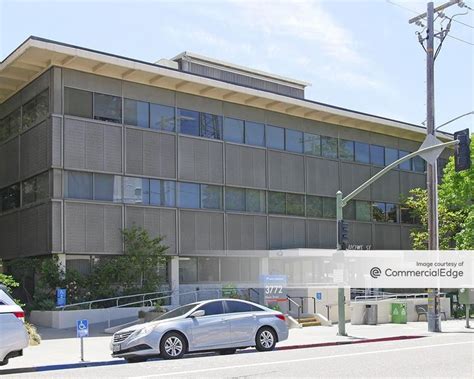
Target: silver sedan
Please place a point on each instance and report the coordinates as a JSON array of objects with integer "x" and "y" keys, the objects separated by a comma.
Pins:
[{"x": 223, "y": 325}]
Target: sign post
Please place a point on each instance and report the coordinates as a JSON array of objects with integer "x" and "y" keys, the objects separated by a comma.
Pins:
[{"x": 82, "y": 330}]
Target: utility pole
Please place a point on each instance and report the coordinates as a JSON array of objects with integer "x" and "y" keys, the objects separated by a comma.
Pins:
[{"x": 434, "y": 316}]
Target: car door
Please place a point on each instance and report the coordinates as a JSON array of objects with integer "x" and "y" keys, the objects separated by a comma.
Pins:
[
  {"x": 211, "y": 330},
  {"x": 243, "y": 321}
]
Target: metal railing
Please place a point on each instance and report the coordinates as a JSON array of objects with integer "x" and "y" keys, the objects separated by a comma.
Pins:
[
  {"x": 291, "y": 301},
  {"x": 388, "y": 295}
]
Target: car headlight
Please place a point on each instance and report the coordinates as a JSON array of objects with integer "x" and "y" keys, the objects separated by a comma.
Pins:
[{"x": 142, "y": 332}]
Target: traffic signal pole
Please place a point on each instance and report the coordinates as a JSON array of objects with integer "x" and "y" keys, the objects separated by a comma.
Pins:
[{"x": 341, "y": 303}]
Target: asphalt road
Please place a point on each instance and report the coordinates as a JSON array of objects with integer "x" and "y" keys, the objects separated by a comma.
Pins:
[{"x": 445, "y": 355}]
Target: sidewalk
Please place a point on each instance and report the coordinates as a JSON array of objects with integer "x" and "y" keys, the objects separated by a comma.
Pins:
[{"x": 61, "y": 347}]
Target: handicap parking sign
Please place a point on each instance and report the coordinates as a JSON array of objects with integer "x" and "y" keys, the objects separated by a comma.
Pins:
[
  {"x": 319, "y": 296},
  {"x": 82, "y": 328}
]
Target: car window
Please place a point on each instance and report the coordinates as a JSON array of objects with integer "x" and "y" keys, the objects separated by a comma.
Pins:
[
  {"x": 176, "y": 312},
  {"x": 214, "y": 308},
  {"x": 2, "y": 303},
  {"x": 237, "y": 306}
]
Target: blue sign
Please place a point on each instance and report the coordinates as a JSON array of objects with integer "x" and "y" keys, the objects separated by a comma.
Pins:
[
  {"x": 319, "y": 296},
  {"x": 60, "y": 297},
  {"x": 82, "y": 328},
  {"x": 273, "y": 286}
]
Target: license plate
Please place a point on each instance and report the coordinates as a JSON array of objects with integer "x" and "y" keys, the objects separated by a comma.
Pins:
[{"x": 116, "y": 348}]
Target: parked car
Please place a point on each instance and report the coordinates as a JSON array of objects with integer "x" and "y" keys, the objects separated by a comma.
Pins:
[
  {"x": 223, "y": 325},
  {"x": 13, "y": 335}
]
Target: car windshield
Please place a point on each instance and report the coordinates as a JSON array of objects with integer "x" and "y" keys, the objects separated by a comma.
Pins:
[
  {"x": 176, "y": 312},
  {"x": 5, "y": 291}
]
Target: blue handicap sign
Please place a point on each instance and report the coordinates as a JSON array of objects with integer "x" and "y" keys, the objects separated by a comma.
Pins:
[
  {"x": 60, "y": 297},
  {"x": 319, "y": 296},
  {"x": 82, "y": 328}
]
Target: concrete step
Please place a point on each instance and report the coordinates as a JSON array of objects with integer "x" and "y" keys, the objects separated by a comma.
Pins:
[{"x": 312, "y": 323}]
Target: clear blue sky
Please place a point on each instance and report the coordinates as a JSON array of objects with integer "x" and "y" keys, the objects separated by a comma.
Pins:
[{"x": 361, "y": 55}]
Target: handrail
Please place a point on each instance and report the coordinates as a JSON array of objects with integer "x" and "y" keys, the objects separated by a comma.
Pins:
[
  {"x": 290, "y": 300},
  {"x": 395, "y": 296},
  {"x": 250, "y": 290}
]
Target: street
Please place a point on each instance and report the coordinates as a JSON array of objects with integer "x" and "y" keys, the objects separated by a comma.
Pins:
[{"x": 444, "y": 355}]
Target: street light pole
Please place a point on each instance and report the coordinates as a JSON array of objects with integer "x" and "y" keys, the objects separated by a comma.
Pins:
[{"x": 341, "y": 301}]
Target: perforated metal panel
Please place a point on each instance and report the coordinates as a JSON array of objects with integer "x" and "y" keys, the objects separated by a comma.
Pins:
[
  {"x": 285, "y": 172},
  {"x": 387, "y": 188},
  {"x": 411, "y": 180},
  {"x": 386, "y": 237},
  {"x": 34, "y": 148},
  {"x": 359, "y": 234},
  {"x": 352, "y": 176},
  {"x": 246, "y": 232},
  {"x": 322, "y": 176},
  {"x": 10, "y": 235},
  {"x": 245, "y": 166},
  {"x": 321, "y": 234},
  {"x": 9, "y": 162},
  {"x": 201, "y": 232},
  {"x": 286, "y": 233},
  {"x": 34, "y": 230}
]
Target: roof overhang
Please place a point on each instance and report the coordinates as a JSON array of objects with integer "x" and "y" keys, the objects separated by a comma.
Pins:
[{"x": 37, "y": 55}]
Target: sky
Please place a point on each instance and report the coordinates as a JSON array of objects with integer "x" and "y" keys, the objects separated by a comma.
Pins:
[{"x": 361, "y": 55}]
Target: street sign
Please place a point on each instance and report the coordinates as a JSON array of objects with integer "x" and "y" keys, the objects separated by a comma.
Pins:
[
  {"x": 82, "y": 328},
  {"x": 60, "y": 297},
  {"x": 273, "y": 286},
  {"x": 319, "y": 296}
]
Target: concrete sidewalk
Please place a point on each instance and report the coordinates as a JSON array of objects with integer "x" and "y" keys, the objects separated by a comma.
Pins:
[{"x": 61, "y": 347}]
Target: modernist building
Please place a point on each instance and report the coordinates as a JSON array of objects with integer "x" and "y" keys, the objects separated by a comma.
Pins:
[{"x": 224, "y": 161}]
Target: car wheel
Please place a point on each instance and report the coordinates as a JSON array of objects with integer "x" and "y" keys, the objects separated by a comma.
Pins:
[
  {"x": 172, "y": 346},
  {"x": 265, "y": 339},
  {"x": 226, "y": 351},
  {"x": 135, "y": 359}
]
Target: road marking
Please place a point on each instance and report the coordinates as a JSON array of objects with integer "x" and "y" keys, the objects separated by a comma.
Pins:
[{"x": 300, "y": 360}]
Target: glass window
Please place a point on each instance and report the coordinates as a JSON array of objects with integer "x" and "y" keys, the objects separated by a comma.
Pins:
[
  {"x": 35, "y": 189},
  {"x": 407, "y": 216},
  {"x": 107, "y": 108},
  {"x": 254, "y": 200},
  {"x": 419, "y": 164},
  {"x": 346, "y": 150},
  {"x": 405, "y": 165},
  {"x": 312, "y": 144},
  {"x": 294, "y": 141},
  {"x": 349, "y": 211},
  {"x": 391, "y": 155},
  {"x": 275, "y": 137},
  {"x": 107, "y": 187},
  {"x": 378, "y": 212},
  {"x": 239, "y": 307},
  {"x": 10, "y": 125},
  {"x": 77, "y": 102},
  {"x": 187, "y": 270},
  {"x": 254, "y": 133},
  {"x": 188, "y": 122},
  {"x": 233, "y": 130},
  {"x": 79, "y": 185},
  {"x": 208, "y": 269},
  {"x": 276, "y": 202},
  {"x": 162, "y": 117},
  {"x": 377, "y": 155},
  {"x": 329, "y": 147},
  {"x": 212, "y": 308},
  {"x": 361, "y": 152},
  {"x": 136, "y": 113},
  {"x": 162, "y": 192},
  {"x": 314, "y": 206},
  {"x": 10, "y": 198},
  {"x": 329, "y": 207},
  {"x": 188, "y": 195},
  {"x": 234, "y": 199},
  {"x": 211, "y": 197},
  {"x": 211, "y": 126},
  {"x": 362, "y": 211},
  {"x": 136, "y": 190},
  {"x": 36, "y": 110},
  {"x": 391, "y": 212},
  {"x": 294, "y": 204}
]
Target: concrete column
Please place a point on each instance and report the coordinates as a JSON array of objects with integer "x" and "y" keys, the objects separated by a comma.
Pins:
[
  {"x": 263, "y": 267},
  {"x": 174, "y": 280},
  {"x": 62, "y": 261}
]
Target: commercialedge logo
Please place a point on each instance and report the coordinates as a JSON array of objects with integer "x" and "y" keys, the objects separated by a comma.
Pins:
[{"x": 375, "y": 273}]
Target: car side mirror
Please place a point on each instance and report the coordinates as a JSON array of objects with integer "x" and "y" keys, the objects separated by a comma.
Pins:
[{"x": 198, "y": 313}]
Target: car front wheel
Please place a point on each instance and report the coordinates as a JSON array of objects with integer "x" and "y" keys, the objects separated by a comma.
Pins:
[
  {"x": 265, "y": 339},
  {"x": 172, "y": 346}
]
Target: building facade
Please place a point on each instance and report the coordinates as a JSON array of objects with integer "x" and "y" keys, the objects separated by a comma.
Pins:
[{"x": 223, "y": 161}]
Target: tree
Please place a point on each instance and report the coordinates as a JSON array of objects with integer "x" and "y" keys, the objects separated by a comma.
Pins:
[{"x": 455, "y": 210}]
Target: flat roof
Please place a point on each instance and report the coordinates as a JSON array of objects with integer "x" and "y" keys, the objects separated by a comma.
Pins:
[{"x": 36, "y": 55}]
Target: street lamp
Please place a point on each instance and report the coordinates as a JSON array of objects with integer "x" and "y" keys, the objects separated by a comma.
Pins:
[{"x": 454, "y": 119}]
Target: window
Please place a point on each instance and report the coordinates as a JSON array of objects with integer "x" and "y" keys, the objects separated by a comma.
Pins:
[
  {"x": 407, "y": 216},
  {"x": 211, "y": 126},
  {"x": 329, "y": 207},
  {"x": 233, "y": 130},
  {"x": 312, "y": 144},
  {"x": 107, "y": 187},
  {"x": 234, "y": 199},
  {"x": 254, "y": 133},
  {"x": 136, "y": 190},
  {"x": 275, "y": 137},
  {"x": 162, "y": 117},
  {"x": 136, "y": 113},
  {"x": 346, "y": 150},
  {"x": 79, "y": 185},
  {"x": 212, "y": 308},
  {"x": 10, "y": 198},
  {"x": 187, "y": 270},
  {"x": 208, "y": 269},
  {"x": 77, "y": 102},
  {"x": 238, "y": 307},
  {"x": 230, "y": 269},
  {"x": 35, "y": 189},
  {"x": 10, "y": 125},
  {"x": 107, "y": 108},
  {"x": 329, "y": 147},
  {"x": 162, "y": 192},
  {"x": 35, "y": 110},
  {"x": 294, "y": 141},
  {"x": 188, "y": 195},
  {"x": 188, "y": 122},
  {"x": 254, "y": 201},
  {"x": 276, "y": 202},
  {"x": 378, "y": 212},
  {"x": 362, "y": 210},
  {"x": 211, "y": 197},
  {"x": 294, "y": 204},
  {"x": 419, "y": 164},
  {"x": 391, "y": 212},
  {"x": 405, "y": 165},
  {"x": 314, "y": 206},
  {"x": 377, "y": 155},
  {"x": 391, "y": 155},
  {"x": 349, "y": 211},
  {"x": 361, "y": 152}
]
